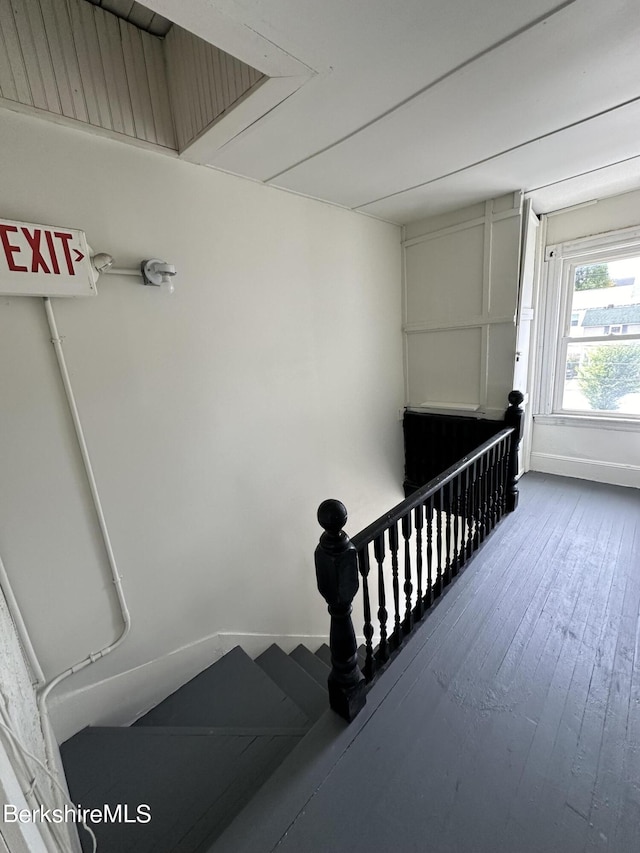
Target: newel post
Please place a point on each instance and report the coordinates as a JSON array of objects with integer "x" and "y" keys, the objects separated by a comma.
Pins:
[
  {"x": 513, "y": 418},
  {"x": 337, "y": 575}
]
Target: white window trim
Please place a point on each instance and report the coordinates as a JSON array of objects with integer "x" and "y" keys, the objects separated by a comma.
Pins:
[
  {"x": 560, "y": 262},
  {"x": 622, "y": 424}
]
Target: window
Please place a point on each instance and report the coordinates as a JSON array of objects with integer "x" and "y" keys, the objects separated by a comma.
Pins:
[{"x": 591, "y": 362}]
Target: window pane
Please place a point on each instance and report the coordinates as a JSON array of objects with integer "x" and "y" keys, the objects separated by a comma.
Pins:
[
  {"x": 606, "y": 298},
  {"x": 603, "y": 377}
]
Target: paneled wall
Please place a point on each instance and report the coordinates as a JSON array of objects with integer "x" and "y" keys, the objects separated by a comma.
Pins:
[{"x": 461, "y": 273}]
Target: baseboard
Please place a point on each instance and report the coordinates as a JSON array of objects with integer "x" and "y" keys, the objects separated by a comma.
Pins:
[
  {"x": 122, "y": 698},
  {"x": 255, "y": 644},
  {"x": 615, "y": 473}
]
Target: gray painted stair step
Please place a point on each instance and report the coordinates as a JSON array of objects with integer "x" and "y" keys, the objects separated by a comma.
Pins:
[
  {"x": 193, "y": 782},
  {"x": 324, "y": 653},
  {"x": 232, "y": 692},
  {"x": 312, "y": 664},
  {"x": 294, "y": 681}
]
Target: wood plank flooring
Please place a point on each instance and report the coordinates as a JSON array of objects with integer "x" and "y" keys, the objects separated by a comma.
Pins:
[{"x": 515, "y": 723}]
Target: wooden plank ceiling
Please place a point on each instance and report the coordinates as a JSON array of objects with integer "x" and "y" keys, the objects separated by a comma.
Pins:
[{"x": 100, "y": 65}]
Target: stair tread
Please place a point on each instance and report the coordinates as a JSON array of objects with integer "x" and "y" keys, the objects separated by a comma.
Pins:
[
  {"x": 312, "y": 664},
  {"x": 234, "y": 691},
  {"x": 294, "y": 681},
  {"x": 324, "y": 653},
  {"x": 194, "y": 782}
]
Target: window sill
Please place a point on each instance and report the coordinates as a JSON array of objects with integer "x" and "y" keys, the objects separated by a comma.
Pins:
[{"x": 589, "y": 421}]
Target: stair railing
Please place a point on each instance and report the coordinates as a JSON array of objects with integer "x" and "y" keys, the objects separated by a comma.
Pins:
[{"x": 430, "y": 536}]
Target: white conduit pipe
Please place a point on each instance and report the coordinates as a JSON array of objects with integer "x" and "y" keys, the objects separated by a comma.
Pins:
[
  {"x": 46, "y": 689},
  {"x": 118, "y": 271}
]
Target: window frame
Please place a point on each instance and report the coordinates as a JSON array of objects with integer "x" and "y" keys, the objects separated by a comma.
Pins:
[{"x": 561, "y": 261}]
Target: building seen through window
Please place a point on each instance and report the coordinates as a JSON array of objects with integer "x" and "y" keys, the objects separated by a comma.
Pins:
[{"x": 600, "y": 344}]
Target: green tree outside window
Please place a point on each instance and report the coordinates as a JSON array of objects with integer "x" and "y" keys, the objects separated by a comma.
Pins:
[{"x": 609, "y": 373}]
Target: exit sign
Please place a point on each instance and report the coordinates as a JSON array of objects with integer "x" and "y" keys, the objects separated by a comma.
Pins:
[{"x": 44, "y": 260}]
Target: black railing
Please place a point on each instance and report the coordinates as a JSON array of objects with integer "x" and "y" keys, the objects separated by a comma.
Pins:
[
  {"x": 408, "y": 557},
  {"x": 433, "y": 443}
]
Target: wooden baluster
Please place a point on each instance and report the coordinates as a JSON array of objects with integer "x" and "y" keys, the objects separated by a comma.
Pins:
[
  {"x": 513, "y": 418},
  {"x": 505, "y": 473},
  {"x": 337, "y": 576},
  {"x": 448, "y": 510},
  {"x": 464, "y": 534},
  {"x": 457, "y": 508},
  {"x": 382, "y": 655},
  {"x": 419, "y": 521},
  {"x": 429, "y": 513},
  {"x": 487, "y": 493},
  {"x": 477, "y": 506},
  {"x": 363, "y": 562},
  {"x": 407, "y": 623},
  {"x": 483, "y": 497},
  {"x": 496, "y": 480},
  {"x": 499, "y": 481},
  {"x": 437, "y": 587},
  {"x": 492, "y": 488},
  {"x": 393, "y": 547},
  {"x": 468, "y": 490}
]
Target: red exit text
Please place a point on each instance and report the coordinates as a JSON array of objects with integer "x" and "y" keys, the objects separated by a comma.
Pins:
[{"x": 39, "y": 250}]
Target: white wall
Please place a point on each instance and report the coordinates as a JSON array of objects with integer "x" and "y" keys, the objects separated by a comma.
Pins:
[
  {"x": 461, "y": 275},
  {"x": 605, "y": 214},
  {"x": 571, "y": 446},
  {"x": 217, "y": 419}
]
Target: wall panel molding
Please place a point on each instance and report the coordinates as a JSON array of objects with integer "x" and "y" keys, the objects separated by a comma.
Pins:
[
  {"x": 459, "y": 277},
  {"x": 470, "y": 322}
]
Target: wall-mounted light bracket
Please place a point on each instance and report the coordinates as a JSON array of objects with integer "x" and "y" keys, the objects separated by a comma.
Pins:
[
  {"x": 153, "y": 271},
  {"x": 158, "y": 273}
]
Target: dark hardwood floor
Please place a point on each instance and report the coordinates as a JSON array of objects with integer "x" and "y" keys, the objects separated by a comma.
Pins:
[{"x": 513, "y": 724}]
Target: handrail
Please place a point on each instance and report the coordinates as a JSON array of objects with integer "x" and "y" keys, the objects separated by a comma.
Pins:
[
  {"x": 425, "y": 492},
  {"x": 442, "y": 524}
]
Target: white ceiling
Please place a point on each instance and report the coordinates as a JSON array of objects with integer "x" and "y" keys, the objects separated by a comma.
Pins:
[
  {"x": 412, "y": 107},
  {"x": 136, "y": 14}
]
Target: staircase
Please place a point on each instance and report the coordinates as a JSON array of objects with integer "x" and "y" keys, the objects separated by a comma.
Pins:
[{"x": 198, "y": 757}]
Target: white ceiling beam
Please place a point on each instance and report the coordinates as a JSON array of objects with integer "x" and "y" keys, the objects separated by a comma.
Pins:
[
  {"x": 607, "y": 139},
  {"x": 230, "y": 34}
]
